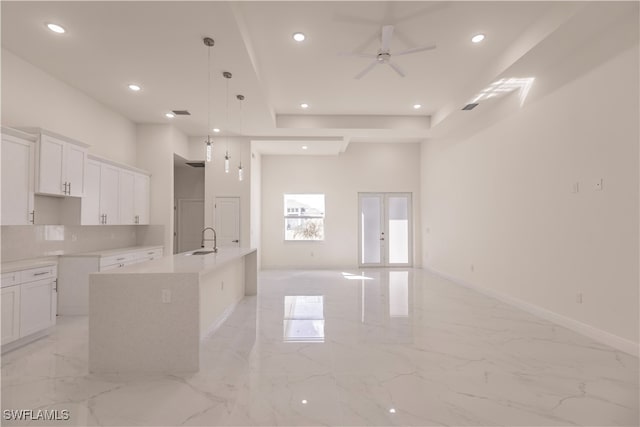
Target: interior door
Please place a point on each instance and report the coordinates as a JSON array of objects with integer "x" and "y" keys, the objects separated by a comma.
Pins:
[
  {"x": 385, "y": 230},
  {"x": 190, "y": 224},
  {"x": 228, "y": 221}
]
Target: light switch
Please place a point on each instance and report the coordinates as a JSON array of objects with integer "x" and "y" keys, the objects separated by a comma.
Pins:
[{"x": 166, "y": 296}]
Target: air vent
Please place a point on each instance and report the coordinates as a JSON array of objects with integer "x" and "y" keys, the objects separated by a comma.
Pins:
[
  {"x": 196, "y": 164},
  {"x": 469, "y": 107},
  {"x": 181, "y": 112}
]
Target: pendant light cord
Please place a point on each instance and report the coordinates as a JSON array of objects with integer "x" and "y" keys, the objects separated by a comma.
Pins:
[{"x": 209, "y": 94}]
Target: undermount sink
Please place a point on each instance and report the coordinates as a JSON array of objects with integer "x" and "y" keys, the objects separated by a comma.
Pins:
[{"x": 202, "y": 252}]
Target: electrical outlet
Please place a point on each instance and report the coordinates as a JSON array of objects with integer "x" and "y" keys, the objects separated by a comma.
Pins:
[
  {"x": 166, "y": 296},
  {"x": 575, "y": 187},
  {"x": 598, "y": 185},
  {"x": 579, "y": 298}
]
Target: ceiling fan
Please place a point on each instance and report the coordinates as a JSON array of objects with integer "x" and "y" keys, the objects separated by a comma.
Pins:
[{"x": 384, "y": 54}]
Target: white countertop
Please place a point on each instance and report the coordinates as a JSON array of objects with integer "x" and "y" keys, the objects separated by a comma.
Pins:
[
  {"x": 117, "y": 251},
  {"x": 185, "y": 263},
  {"x": 25, "y": 264}
]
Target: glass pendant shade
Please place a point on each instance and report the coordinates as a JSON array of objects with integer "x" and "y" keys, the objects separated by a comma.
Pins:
[
  {"x": 226, "y": 162},
  {"x": 209, "y": 151},
  {"x": 240, "y": 173}
]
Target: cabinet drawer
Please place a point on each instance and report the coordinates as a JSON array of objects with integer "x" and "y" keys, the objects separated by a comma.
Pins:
[
  {"x": 149, "y": 254},
  {"x": 38, "y": 273},
  {"x": 117, "y": 259},
  {"x": 10, "y": 279}
]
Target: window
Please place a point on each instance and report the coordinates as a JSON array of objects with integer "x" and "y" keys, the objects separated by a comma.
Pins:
[{"x": 304, "y": 217}]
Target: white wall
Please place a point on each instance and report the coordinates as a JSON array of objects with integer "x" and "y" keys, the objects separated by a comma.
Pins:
[
  {"x": 384, "y": 167},
  {"x": 255, "y": 220},
  {"x": 33, "y": 98},
  {"x": 501, "y": 201},
  {"x": 156, "y": 146}
]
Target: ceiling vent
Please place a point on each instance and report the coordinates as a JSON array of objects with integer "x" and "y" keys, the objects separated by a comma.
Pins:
[
  {"x": 469, "y": 107},
  {"x": 195, "y": 164},
  {"x": 181, "y": 112}
]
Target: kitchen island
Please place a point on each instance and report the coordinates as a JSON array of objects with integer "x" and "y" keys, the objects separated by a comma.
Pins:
[{"x": 151, "y": 317}]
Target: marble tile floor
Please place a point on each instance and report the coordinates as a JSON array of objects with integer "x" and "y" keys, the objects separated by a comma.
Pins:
[{"x": 378, "y": 347}]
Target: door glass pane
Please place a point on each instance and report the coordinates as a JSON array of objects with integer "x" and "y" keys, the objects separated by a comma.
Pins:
[
  {"x": 398, "y": 230},
  {"x": 370, "y": 226}
]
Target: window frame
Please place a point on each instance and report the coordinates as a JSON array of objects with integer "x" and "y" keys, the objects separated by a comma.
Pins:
[{"x": 289, "y": 213}]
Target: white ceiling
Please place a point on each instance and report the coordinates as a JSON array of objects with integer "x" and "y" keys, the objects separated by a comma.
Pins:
[{"x": 159, "y": 45}]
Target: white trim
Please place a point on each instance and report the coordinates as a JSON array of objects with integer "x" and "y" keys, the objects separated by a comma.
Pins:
[{"x": 599, "y": 335}]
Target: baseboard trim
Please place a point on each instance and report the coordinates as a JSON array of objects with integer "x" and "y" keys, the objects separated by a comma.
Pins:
[{"x": 599, "y": 335}]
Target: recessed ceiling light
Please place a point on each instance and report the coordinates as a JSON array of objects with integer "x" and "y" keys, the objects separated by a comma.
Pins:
[
  {"x": 170, "y": 115},
  {"x": 134, "y": 87},
  {"x": 477, "y": 38},
  {"x": 56, "y": 28},
  {"x": 417, "y": 106},
  {"x": 304, "y": 401},
  {"x": 216, "y": 130},
  {"x": 392, "y": 411},
  {"x": 304, "y": 147},
  {"x": 299, "y": 37},
  {"x": 303, "y": 105}
]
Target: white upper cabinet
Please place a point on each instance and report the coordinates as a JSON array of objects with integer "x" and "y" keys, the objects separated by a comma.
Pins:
[
  {"x": 60, "y": 165},
  {"x": 109, "y": 194},
  {"x": 17, "y": 178},
  {"x": 141, "y": 198},
  {"x": 90, "y": 206},
  {"x": 127, "y": 195}
]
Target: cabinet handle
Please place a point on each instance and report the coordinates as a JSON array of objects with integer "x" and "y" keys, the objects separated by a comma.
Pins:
[
  {"x": 149, "y": 253},
  {"x": 235, "y": 241},
  {"x": 33, "y": 216},
  {"x": 55, "y": 285},
  {"x": 120, "y": 259},
  {"x": 41, "y": 273},
  {"x": 69, "y": 188}
]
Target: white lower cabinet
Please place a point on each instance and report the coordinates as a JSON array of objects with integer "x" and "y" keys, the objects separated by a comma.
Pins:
[
  {"x": 29, "y": 301},
  {"x": 10, "y": 313},
  {"x": 36, "y": 308},
  {"x": 75, "y": 270}
]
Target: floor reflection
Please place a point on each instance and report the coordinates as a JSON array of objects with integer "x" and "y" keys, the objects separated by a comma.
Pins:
[{"x": 303, "y": 318}]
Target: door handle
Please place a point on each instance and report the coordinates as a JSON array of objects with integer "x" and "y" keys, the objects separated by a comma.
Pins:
[{"x": 235, "y": 241}]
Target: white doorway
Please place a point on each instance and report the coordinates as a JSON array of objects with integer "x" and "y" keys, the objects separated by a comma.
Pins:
[
  {"x": 190, "y": 220},
  {"x": 385, "y": 230},
  {"x": 227, "y": 220}
]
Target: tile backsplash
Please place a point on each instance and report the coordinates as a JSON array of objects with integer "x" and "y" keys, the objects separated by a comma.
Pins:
[{"x": 36, "y": 241}]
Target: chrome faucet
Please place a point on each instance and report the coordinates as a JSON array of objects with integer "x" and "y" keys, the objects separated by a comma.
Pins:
[{"x": 215, "y": 239}]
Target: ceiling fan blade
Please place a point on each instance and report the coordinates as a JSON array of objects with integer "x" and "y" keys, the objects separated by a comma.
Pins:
[
  {"x": 414, "y": 50},
  {"x": 366, "y": 70},
  {"x": 359, "y": 55},
  {"x": 387, "y": 34},
  {"x": 396, "y": 68}
]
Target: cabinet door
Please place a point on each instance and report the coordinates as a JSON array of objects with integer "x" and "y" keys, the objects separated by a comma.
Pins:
[
  {"x": 141, "y": 200},
  {"x": 35, "y": 306},
  {"x": 10, "y": 313},
  {"x": 17, "y": 181},
  {"x": 75, "y": 163},
  {"x": 90, "y": 204},
  {"x": 51, "y": 166},
  {"x": 127, "y": 214},
  {"x": 109, "y": 194}
]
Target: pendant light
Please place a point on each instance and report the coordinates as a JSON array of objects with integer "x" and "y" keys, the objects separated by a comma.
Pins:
[
  {"x": 227, "y": 75},
  {"x": 208, "y": 41},
  {"x": 240, "y": 170}
]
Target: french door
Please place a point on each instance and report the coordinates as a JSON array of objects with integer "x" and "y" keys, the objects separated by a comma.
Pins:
[{"x": 385, "y": 230}]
